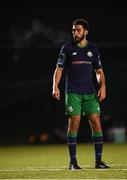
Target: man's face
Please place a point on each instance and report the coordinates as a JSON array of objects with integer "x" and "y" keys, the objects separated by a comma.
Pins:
[{"x": 78, "y": 33}]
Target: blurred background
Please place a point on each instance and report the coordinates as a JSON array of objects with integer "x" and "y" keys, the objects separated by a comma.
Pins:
[{"x": 31, "y": 34}]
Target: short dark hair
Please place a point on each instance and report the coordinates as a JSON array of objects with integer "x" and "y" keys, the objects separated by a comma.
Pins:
[{"x": 82, "y": 22}]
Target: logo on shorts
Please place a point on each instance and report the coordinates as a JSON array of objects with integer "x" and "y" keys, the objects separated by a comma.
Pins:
[
  {"x": 98, "y": 108},
  {"x": 69, "y": 109}
]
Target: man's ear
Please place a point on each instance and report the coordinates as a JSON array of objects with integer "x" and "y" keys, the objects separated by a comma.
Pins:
[{"x": 86, "y": 32}]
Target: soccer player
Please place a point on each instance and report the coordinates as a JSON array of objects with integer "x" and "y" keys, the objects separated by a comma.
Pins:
[{"x": 80, "y": 57}]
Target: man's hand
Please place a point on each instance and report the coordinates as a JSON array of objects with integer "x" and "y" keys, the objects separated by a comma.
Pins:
[
  {"x": 56, "y": 78},
  {"x": 101, "y": 80},
  {"x": 56, "y": 93},
  {"x": 102, "y": 93}
]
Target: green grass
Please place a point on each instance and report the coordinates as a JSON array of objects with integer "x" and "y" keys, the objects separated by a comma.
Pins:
[{"x": 51, "y": 162}]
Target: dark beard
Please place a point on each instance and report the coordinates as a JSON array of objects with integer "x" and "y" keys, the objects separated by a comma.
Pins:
[{"x": 79, "y": 39}]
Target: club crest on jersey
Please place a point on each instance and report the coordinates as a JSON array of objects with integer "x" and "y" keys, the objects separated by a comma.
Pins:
[{"x": 89, "y": 53}]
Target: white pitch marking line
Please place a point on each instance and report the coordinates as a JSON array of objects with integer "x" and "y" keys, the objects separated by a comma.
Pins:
[
  {"x": 58, "y": 169},
  {"x": 86, "y": 168}
]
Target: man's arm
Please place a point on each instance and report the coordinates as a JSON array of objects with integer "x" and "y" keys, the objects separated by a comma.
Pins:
[
  {"x": 56, "y": 79},
  {"x": 102, "y": 88}
]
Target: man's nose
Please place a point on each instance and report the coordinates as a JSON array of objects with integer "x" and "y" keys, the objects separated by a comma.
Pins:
[{"x": 76, "y": 33}]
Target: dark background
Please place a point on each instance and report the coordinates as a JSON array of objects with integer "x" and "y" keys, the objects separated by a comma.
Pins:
[{"x": 31, "y": 34}]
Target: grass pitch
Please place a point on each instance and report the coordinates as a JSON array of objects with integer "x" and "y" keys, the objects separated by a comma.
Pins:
[{"x": 51, "y": 162}]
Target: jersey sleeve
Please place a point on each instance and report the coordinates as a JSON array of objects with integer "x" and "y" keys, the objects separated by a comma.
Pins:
[
  {"x": 97, "y": 61},
  {"x": 61, "y": 62}
]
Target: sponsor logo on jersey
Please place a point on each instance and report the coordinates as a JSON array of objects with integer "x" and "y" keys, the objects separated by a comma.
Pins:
[{"x": 81, "y": 62}]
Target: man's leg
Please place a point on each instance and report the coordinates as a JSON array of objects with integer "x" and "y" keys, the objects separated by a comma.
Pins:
[
  {"x": 73, "y": 126},
  {"x": 97, "y": 135}
]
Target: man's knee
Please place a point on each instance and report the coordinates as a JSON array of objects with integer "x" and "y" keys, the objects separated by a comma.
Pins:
[
  {"x": 95, "y": 122},
  {"x": 74, "y": 124}
]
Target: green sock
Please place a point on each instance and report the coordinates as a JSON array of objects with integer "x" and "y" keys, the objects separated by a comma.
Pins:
[
  {"x": 71, "y": 140},
  {"x": 98, "y": 145}
]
